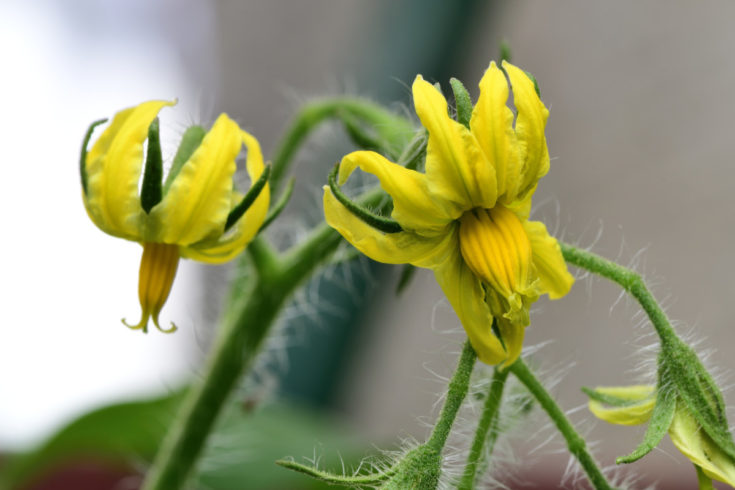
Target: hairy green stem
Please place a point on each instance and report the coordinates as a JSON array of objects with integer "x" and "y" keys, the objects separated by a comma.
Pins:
[
  {"x": 487, "y": 420},
  {"x": 456, "y": 393},
  {"x": 576, "y": 444},
  {"x": 629, "y": 281}
]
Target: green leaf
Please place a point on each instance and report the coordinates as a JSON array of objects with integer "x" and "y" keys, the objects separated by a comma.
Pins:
[
  {"x": 121, "y": 433},
  {"x": 245, "y": 446}
]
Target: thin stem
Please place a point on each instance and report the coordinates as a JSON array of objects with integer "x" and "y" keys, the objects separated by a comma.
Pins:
[
  {"x": 393, "y": 129},
  {"x": 488, "y": 418},
  {"x": 575, "y": 442},
  {"x": 456, "y": 393},
  {"x": 234, "y": 350},
  {"x": 628, "y": 280}
]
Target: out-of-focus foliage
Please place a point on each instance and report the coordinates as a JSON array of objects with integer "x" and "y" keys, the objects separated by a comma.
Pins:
[{"x": 240, "y": 454}]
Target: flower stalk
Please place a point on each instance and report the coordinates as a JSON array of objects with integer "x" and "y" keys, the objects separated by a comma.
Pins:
[
  {"x": 575, "y": 443},
  {"x": 484, "y": 434}
]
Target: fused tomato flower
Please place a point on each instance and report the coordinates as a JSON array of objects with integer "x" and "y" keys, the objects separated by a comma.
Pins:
[
  {"x": 466, "y": 216},
  {"x": 194, "y": 213}
]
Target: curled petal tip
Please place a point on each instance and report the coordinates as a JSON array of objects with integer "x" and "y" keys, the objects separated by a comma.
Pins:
[
  {"x": 170, "y": 329},
  {"x": 142, "y": 325}
]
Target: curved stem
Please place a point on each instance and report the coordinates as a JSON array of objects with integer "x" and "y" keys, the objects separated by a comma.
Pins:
[
  {"x": 393, "y": 131},
  {"x": 456, "y": 393},
  {"x": 488, "y": 419},
  {"x": 629, "y": 281},
  {"x": 575, "y": 442}
]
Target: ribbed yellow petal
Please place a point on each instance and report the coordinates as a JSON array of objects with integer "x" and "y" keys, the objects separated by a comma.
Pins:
[
  {"x": 243, "y": 231},
  {"x": 492, "y": 125},
  {"x": 530, "y": 124},
  {"x": 695, "y": 444},
  {"x": 512, "y": 334},
  {"x": 391, "y": 248},
  {"x": 642, "y": 401},
  {"x": 548, "y": 260},
  {"x": 113, "y": 171},
  {"x": 464, "y": 292},
  {"x": 196, "y": 206},
  {"x": 413, "y": 206},
  {"x": 456, "y": 167}
]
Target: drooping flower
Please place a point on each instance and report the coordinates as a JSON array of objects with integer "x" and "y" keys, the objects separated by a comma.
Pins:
[
  {"x": 195, "y": 213},
  {"x": 634, "y": 405},
  {"x": 466, "y": 217}
]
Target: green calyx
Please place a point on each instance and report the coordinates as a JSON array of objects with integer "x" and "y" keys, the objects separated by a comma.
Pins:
[
  {"x": 151, "y": 191},
  {"x": 190, "y": 141},
  {"x": 83, "y": 157},
  {"x": 698, "y": 391},
  {"x": 248, "y": 199},
  {"x": 280, "y": 204},
  {"x": 463, "y": 102},
  {"x": 386, "y": 225}
]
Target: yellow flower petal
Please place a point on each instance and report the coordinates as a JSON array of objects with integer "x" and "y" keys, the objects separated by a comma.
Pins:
[
  {"x": 391, "y": 248},
  {"x": 512, "y": 335},
  {"x": 548, "y": 260},
  {"x": 196, "y": 205},
  {"x": 695, "y": 444},
  {"x": 244, "y": 230},
  {"x": 456, "y": 167},
  {"x": 413, "y": 206},
  {"x": 113, "y": 171},
  {"x": 492, "y": 125},
  {"x": 465, "y": 294},
  {"x": 530, "y": 124},
  {"x": 639, "y": 411}
]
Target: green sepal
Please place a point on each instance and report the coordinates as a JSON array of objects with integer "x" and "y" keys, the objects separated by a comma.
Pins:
[
  {"x": 505, "y": 54},
  {"x": 151, "y": 191},
  {"x": 280, "y": 204},
  {"x": 608, "y": 399},
  {"x": 535, "y": 83},
  {"x": 420, "y": 468},
  {"x": 660, "y": 421},
  {"x": 386, "y": 225},
  {"x": 357, "y": 480},
  {"x": 415, "y": 151},
  {"x": 248, "y": 199},
  {"x": 358, "y": 135},
  {"x": 463, "y": 102},
  {"x": 699, "y": 392},
  {"x": 83, "y": 157},
  {"x": 190, "y": 141},
  {"x": 407, "y": 273}
]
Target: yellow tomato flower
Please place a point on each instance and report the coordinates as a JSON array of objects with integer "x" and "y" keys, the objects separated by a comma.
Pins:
[
  {"x": 193, "y": 214},
  {"x": 466, "y": 217},
  {"x": 684, "y": 431}
]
